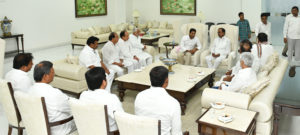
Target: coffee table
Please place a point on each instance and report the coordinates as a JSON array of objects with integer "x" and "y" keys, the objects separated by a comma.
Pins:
[
  {"x": 178, "y": 86},
  {"x": 149, "y": 39},
  {"x": 243, "y": 123}
]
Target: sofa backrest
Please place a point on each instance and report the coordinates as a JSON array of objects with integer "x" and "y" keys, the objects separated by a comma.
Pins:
[{"x": 201, "y": 32}]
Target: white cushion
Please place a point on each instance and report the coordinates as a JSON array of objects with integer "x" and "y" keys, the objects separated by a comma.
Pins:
[
  {"x": 163, "y": 25},
  {"x": 82, "y": 34},
  {"x": 149, "y": 24},
  {"x": 271, "y": 62},
  {"x": 114, "y": 28},
  {"x": 155, "y": 24},
  {"x": 169, "y": 26},
  {"x": 122, "y": 27},
  {"x": 106, "y": 29},
  {"x": 72, "y": 59},
  {"x": 98, "y": 30},
  {"x": 92, "y": 31},
  {"x": 142, "y": 26},
  {"x": 257, "y": 87}
]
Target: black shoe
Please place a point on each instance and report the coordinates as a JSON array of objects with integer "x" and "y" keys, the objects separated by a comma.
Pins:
[
  {"x": 284, "y": 54},
  {"x": 292, "y": 71}
]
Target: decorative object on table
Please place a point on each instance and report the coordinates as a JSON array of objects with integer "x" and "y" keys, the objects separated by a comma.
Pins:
[
  {"x": 178, "y": 7},
  {"x": 169, "y": 62},
  {"x": 145, "y": 30},
  {"x": 170, "y": 44},
  {"x": 6, "y": 26},
  {"x": 85, "y": 8},
  {"x": 136, "y": 15}
]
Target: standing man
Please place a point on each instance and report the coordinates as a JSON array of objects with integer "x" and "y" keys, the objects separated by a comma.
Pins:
[
  {"x": 264, "y": 26},
  {"x": 90, "y": 58},
  {"x": 244, "y": 28},
  {"x": 291, "y": 33},
  {"x": 219, "y": 50},
  {"x": 189, "y": 45},
  {"x": 112, "y": 56},
  {"x": 18, "y": 76}
]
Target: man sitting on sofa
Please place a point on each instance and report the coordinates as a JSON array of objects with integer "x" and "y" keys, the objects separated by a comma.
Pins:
[
  {"x": 138, "y": 48},
  {"x": 245, "y": 77},
  {"x": 219, "y": 50},
  {"x": 90, "y": 58},
  {"x": 189, "y": 45},
  {"x": 126, "y": 50},
  {"x": 112, "y": 56}
]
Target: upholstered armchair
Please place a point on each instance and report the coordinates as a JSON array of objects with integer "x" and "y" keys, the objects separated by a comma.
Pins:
[
  {"x": 34, "y": 114},
  {"x": 2, "y": 53},
  {"x": 93, "y": 113},
  {"x": 201, "y": 33},
  {"x": 10, "y": 108},
  {"x": 231, "y": 33}
]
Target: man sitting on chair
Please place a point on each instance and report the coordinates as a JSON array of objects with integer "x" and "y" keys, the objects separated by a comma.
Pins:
[
  {"x": 56, "y": 102},
  {"x": 96, "y": 81},
  {"x": 138, "y": 48},
  {"x": 189, "y": 45},
  {"x": 127, "y": 52},
  {"x": 219, "y": 50},
  {"x": 90, "y": 58},
  {"x": 18, "y": 76},
  {"x": 155, "y": 102},
  {"x": 113, "y": 58},
  {"x": 244, "y": 78}
]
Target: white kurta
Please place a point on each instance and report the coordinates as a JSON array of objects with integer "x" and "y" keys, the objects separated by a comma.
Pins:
[
  {"x": 244, "y": 78},
  {"x": 127, "y": 53},
  {"x": 220, "y": 46},
  {"x": 157, "y": 103},
  {"x": 19, "y": 79},
  {"x": 103, "y": 97},
  {"x": 187, "y": 43},
  {"x": 88, "y": 57},
  {"x": 112, "y": 53},
  {"x": 266, "y": 51},
  {"x": 263, "y": 28},
  {"x": 57, "y": 107},
  {"x": 137, "y": 49},
  {"x": 291, "y": 27}
]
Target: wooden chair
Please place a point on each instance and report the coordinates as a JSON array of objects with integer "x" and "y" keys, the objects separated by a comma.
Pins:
[
  {"x": 10, "y": 108},
  {"x": 86, "y": 114},
  {"x": 34, "y": 114}
]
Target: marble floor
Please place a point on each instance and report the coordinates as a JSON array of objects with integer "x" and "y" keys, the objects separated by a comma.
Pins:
[{"x": 288, "y": 124}]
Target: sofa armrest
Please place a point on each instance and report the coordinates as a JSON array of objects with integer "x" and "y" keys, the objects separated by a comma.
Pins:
[
  {"x": 231, "y": 60},
  {"x": 151, "y": 51},
  {"x": 233, "y": 99},
  {"x": 203, "y": 60},
  {"x": 70, "y": 71}
]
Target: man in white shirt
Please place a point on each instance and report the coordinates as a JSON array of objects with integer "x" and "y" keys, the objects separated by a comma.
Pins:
[
  {"x": 18, "y": 76},
  {"x": 96, "y": 81},
  {"x": 244, "y": 78},
  {"x": 155, "y": 102},
  {"x": 56, "y": 102},
  {"x": 291, "y": 33},
  {"x": 189, "y": 45},
  {"x": 126, "y": 50},
  {"x": 219, "y": 50},
  {"x": 90, "y": 58},
  {"x": 138, "y": 48},
  {"x": 112, "y": 56},
  {"x": 261, "y": 52},
  {"x": 264, "y": 26}
]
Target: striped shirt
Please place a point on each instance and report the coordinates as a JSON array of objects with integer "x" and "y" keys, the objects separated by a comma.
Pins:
[{"x": 244, "y": 29}]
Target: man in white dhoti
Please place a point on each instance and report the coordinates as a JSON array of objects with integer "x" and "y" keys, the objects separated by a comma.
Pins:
[
  {"x": 155, "y": 102},
  {"x": 189, "y": 45},
  {"x": 127, "y": 52},
  {"x": 264, "y": 26},
  {"x": 113, "y": 58},
  {"x": 56, "y": 102},
  {"x": 96, "y": 81},
  {"x": 138, "y": 48},
  {"x": 219, "y": 50},
  {"x": 90, "y": 58},
  {"x": 18, "y": 76},
  {"x": 291, "y": 33},
  {"x": 244, "y": 78},
  {"x": 261, "y": 51}
]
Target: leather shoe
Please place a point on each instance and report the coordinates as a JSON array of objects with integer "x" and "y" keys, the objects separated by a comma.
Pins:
[
  {"x": 292, "y": 71},
  {"x": 284, "y": 54}
]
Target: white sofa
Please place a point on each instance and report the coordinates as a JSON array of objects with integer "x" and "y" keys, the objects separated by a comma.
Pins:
[
  {"x": 2, "y": 53},
  {"x": 231, "y": 33},
  {"x": 159, "y": 27},
  {"x": 201, "y": 33},
  {"x": 261, "y": 103}
]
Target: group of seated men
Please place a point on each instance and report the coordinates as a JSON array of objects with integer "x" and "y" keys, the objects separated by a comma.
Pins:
[{"x": 128, "y": 52}]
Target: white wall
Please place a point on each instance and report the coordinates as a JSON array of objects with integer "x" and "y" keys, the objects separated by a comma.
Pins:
[{"x": 47, "y": 23}]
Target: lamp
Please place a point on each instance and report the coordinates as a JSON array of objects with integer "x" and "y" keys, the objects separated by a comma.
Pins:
[
  {"x": 136, "y": 15},
  {"x": 201, "y": 16}
]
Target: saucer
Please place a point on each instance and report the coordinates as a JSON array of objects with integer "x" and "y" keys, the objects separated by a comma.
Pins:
[{"x": 217, "y": 105}]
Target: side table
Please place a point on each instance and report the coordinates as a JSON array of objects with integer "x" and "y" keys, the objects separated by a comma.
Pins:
[
  {"x": 169, "y": 44},
  {"x": 16, "y": 36}
]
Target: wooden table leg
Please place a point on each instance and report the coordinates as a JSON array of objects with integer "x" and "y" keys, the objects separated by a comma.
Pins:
[
  {"x": 22, "y": 40},
  {"x": 183, "y": 107},
  {"x": 167, "y": 52},
  {"x": 277, "y": 110},
  {"x": 211, "y": 81},
  {"x": 17, "y": 39},
  {"x": 121, "y": 91}
]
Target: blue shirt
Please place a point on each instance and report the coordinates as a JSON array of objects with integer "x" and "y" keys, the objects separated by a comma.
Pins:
[{"x": 244, "y": 29}]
